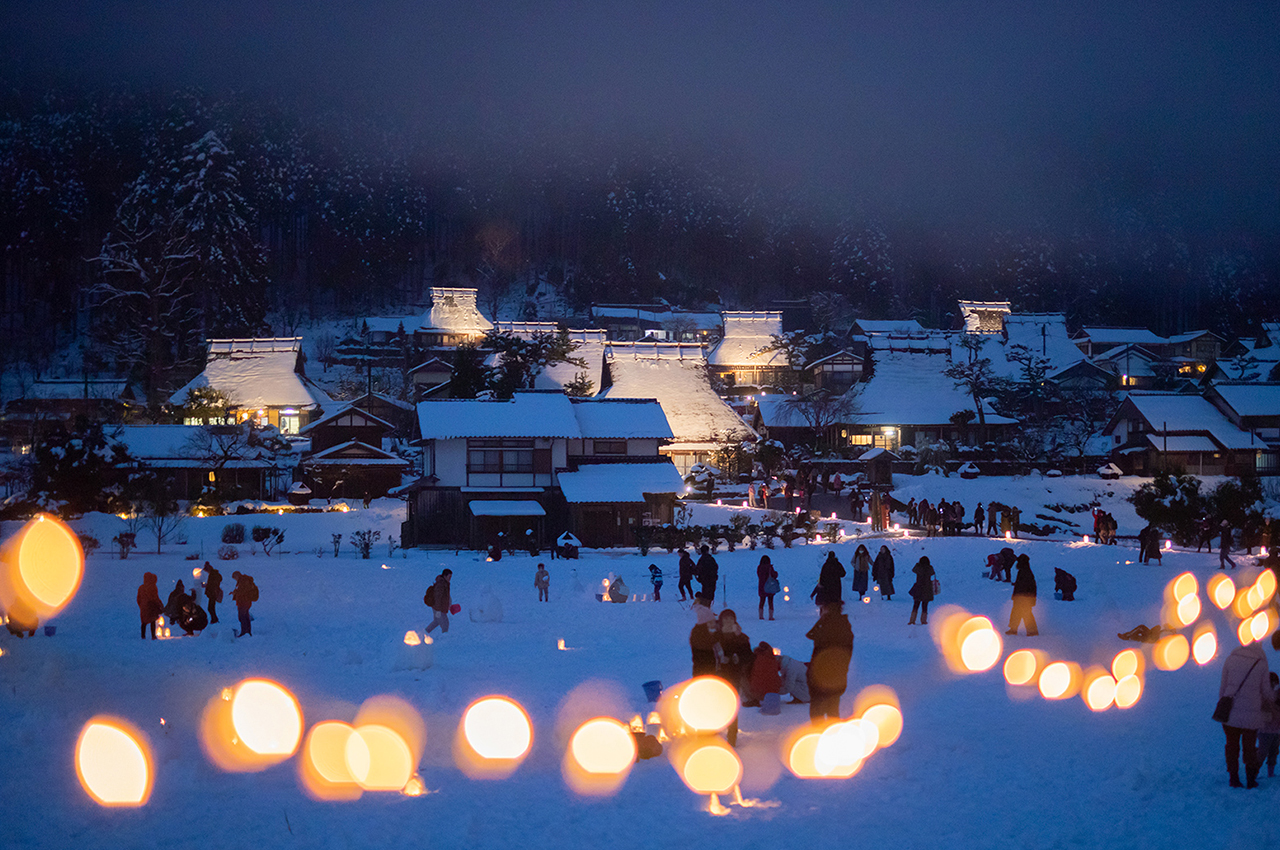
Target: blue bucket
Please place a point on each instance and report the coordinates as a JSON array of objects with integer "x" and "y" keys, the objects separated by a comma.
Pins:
[
  {"x": 49, "y": 630},
  {"x": 771, "y": 704},
  {"x": 652, "y": 690}
]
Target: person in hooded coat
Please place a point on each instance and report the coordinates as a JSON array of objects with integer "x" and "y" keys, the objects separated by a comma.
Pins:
[
  {"x": 708, "y": 573},
  {"x": 921, "y": 591},
  {"x": 861, "y": 571},
  {"x": 1065, "y": 583},
  {"x": 192, "y": 619},
  {"x": 212, "y": 590},
  {"x": 882, "y": 571},
  {"x": 766, "y": 583},
  {"x": 1247, "y": 680},
  {"x": 1007, "y": 560},
  {"x": 1024, "y": 599},
  {"x": 173, "y": 605},
  {"x": 686, "y": 575},
  {"x": 149, "y": 605},
  {"x": 828, "y": 675},
  {"x": 766, "y": 673},
  {"x": 828, "y": 588}
]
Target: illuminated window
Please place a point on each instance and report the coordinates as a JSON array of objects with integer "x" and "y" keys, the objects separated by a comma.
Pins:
[{"x": 289, "y": 424}]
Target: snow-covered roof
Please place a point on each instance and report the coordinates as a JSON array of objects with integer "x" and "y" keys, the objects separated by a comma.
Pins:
[
  {"x": 1251, "y": 399},
  {"x": 621, "y": 418},
  {"x": 183, "y": 445},
  {"x": 744, "y": 335},
  {"x": 1043, "y": 335},
  {"x": 619, "y": 482},
  {"x": 694, "y": 411},
  {"x": 928, "y": 342},
  {"x": 1181, "y": 443},
  {"x": 878, "y": 451},
  {"x": 343, "y": 411},
  {"x": 591, "y": 346},
  {"x": 1183, "y": 413},
  {"x": 781, "y": 411},
  {"x": 255, "y": 376},
  {"x": 984, "y": 317},
  {"x": 526, "y": 330},
  {"x": 1192, "y": 335},
  {"x": 901, "y": 327},
  {"x": 265, "y": 345},
  {"x": 1102, "y": 335},
  {"x": 658, "y": 314},
  {"x": 911, "y": 389},
  {"x": 505, "y": 507},
  {"x": 454, "y": 310},
  {"x": 528, "y": 414},
  {"x": 656, "y": 351},
  {"x": 367, "y": 456}
]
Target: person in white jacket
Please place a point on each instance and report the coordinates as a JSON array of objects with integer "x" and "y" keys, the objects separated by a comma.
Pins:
[{"x": 1247, "y": 680}]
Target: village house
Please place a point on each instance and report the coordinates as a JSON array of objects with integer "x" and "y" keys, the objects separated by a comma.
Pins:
[
  {"x": 263, "y": 380},
  {"x": 347, "y": 458},
  {"x": 739, "y": 359},
  {"x": 1154, "y": 431},
  {"x": 1252, "y": 407},
  {"x": 229, "y": 460},
  {"x": 452, "y": 320},
  {"x": 498, "y": 466}
]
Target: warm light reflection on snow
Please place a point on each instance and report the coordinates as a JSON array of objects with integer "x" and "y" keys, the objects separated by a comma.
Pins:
[
  {"x": 1021, "y": 667},
  {"x": 707, "y": 765},
  {"x": 41, "y": 567},
  {"x": 599, "y": 757},
  {"x": 494, "y": 737},
  {"x": 1099, "y": 690},
  {"x": 704, "y": 704},
  {"x": 1204, "y": 647},
  {"x": 252, "y": 726},
  {"x": 1060, "y": 680},
  {"x": 1222, "y": 590},
  {"x": 1171, "y": 652},
  {"x": 322, "y": 767}
]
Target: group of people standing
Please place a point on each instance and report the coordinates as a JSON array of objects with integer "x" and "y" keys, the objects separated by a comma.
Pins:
[
  {"x": 943, "y": 518},
  {"x": 183, "y": 610}
]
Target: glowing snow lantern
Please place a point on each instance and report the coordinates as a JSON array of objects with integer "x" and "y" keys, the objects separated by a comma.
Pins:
[
  {"x": 113, "y": 763},
  {"x": 1128, "y": 691},
  {"x": 1008, "y": 535},
  {"x": 980, "y": 646},
  {"x": 1020, "y": 667},
  {"x": 1184, "y": 585},
  {"x": 267, "y": 718},
  {"x": 415, "y": 787},
  {"x": 1168, "y": 544},
  {"x": 707, "y": 765},
  {"x": 840, "y": 749},
  {"x": 1059, "y": 680},
  {"x": 600, "y": 755},
  {"x": 1266, "y": 585},
  {"x": 1222, "y": 590},
  {"x": 411, "y": 638},
  {"x": 560, "y": 644},
  {"x": 1128, "y": 662},
  {"x": 706, "y": 704},
  {"x": 322, "y": 766},
  {"x": 1086, "y": 538},
  {"x": 379, "y": 758},
  {"x": 197, "y": 572},
  {"x": 40, "y": 569},
  {"x": 1204, "y": 647},
  {"x": 800, "y": 754},
  {"x": 1188, "y": 610},
  {"x": 494, "y": 738},
  {"x": 1099, "y": 690},
  {"x": 878, "y": 705},
  {"x": 1171, "y": 652},
  {"x": 1260, "y": 625}
]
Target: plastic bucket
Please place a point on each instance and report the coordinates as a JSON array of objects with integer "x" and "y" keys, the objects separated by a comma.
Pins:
[
  {"x": 771, "y": 704},
  {"x": 652, "y": 690},
  {"x": 49, "y": 630}
]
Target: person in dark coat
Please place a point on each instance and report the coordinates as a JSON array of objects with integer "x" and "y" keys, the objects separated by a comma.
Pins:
[
  {"x": 1007, "y": 560},
  {"x": 212, "y": 590},
  {"x": 193, "y": 618},
  {"x": 439, "y": 598},
  {"x": 702, "y": 646},
  {"x": 686, "y": 575},
  {"x": 828, "y": 674},
  {"x": 149, "y": 605},
  {"x": 1065, "y": 583},
  {"x": 1024, "y": 598},
  {"x": 173, "y": 605},
  {"x": 882, "y": 572},
  {"x": 244, "y": 595},
  {"x": 766, "y": 674},
  {"x": 921, "y": 591},
  {"x": 765, "y": 573},
  {"x": 708, "y": 573},
  {"x": 1224, "y": 547},
  {"x": 828, "y": 588},
  {"x": 979, "y": 517},
  {"x": 861, "y": 571},
  {"x": 733, "y": 660}
]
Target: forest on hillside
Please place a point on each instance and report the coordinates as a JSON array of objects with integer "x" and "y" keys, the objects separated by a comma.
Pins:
[{"x": 136, "y": 223}]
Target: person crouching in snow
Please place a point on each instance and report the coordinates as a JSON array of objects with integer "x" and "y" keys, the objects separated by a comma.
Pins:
[
  {"x": 1065, "y": 583},
  {"x": 542, "y": 581},
  {"x": 438, "y": 597},
  {"x": 618, "y": 590},
  {"x": 766, "y": 675},
  {"x": 655, "y": 577},
  {"x": 149, "y": 605}
]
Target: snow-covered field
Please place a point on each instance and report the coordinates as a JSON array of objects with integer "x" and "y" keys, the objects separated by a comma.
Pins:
[{"x": 979, "y": 764}]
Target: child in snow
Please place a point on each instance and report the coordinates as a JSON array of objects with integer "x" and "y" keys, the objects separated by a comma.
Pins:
[
  {"x": 542, "y": 581},
  {"x": 655, "y": 576}
]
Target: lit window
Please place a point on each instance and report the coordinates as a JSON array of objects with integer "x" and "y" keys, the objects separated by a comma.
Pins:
[{"x": 290, "y": 424}]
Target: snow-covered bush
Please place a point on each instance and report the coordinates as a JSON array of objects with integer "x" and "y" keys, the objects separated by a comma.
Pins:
[
  {"x": 363, "y": 541},
  {"x": 227, "y": 552},
  {"x": 268, "y": 537},
  {"x": 233, "y": 532}
]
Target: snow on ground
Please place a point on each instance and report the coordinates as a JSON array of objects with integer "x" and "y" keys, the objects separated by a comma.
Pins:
[{"x": 977, "y": 764}]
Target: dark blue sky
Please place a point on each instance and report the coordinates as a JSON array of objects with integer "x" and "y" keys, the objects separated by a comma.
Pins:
[{"x": 939, "y": 112}]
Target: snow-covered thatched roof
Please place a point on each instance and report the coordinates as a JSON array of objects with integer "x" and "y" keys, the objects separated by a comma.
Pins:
[
  {"x": 255, "y": 373},
  {"x": 591, "y": 343},
  {"x": 744, "y": 335},
  {"x": 621, "y": 418},
  {"x": 984, "y": 317},
  {"x": 694, "y": 411},
  {"x": 454, "y": 310},
  {"x": 911, "y": 389}
]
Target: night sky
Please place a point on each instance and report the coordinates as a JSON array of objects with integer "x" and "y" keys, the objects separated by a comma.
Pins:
[{"x": 938, "y": 113}]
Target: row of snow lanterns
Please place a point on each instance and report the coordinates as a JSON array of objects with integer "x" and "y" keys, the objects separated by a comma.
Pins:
[{"x": 258, "y": 724}]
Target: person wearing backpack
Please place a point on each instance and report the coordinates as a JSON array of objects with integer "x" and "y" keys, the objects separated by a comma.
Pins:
[
  {"x": 767, "y": 581},
  {"x": 439, "y": 599},
  {"x": 212, "y": 590},
  {"x": 244, "y": 595}
]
